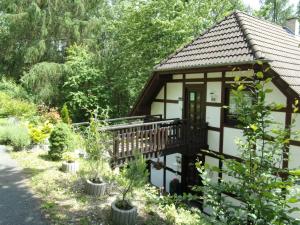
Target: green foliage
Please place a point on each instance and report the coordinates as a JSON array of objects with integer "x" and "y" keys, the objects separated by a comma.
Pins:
[
  {"x": 265, "y": 196},
  {"x": 38, "y": 134},
  {"x": 84, "y": 86},
  {"x": 112, "y": 46},
  {"x": 14, "y": 134},
  {"x": 69, "y": 156},
  {"x": 15, "y": 107},
  {"x": 133, "y": 175},
  {"x": 60, "y": 139},
  {"x": 45, "y": 80},
  {"x": 65, "y": 117},
  {"x": 275, "y": 10},
  {"x": 9, "y": 87},
  {"x": 97, "y": 145}
]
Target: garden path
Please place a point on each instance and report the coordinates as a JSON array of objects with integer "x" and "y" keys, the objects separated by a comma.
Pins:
[{"x": 18, "y": 206}]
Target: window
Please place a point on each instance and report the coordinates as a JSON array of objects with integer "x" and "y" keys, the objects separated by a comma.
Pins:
[{"x": 230, "y": 116}]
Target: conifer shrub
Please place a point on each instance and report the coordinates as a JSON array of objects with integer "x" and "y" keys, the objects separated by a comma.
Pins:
[
  {"x": 60, "y": 141},
  {"x": 65, "y": 116}
]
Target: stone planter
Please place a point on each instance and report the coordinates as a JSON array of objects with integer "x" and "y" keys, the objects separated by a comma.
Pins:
[
  {"x": 123, "y": 217},
  {"x": 70, "y": 167},
  {"x": 95, "y": 188}
]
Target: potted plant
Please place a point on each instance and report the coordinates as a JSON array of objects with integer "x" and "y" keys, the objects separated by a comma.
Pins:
[
  {"x": 70, "y": 164},
  {"x": 96, "y": 145},
  {"x": 134, "y": 175}
]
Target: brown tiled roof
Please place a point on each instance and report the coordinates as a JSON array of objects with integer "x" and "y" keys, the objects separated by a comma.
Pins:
[{"x": 240, "y": 39}]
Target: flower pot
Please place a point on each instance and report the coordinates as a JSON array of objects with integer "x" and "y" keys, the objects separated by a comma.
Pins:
[
  {"x": 70, "y": 167},
  {"x": 97, "y": 189},
  {"x": 122, "y": 216}
]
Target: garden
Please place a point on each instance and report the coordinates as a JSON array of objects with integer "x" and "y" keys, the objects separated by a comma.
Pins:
[{"x": 69, "y": 168}]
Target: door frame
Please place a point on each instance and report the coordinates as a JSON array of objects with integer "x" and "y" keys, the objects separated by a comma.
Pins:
[{"x": 202, "y": 88}]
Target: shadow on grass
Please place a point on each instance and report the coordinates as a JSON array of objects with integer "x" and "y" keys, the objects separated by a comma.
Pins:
[{"x": 45, "y": 157}]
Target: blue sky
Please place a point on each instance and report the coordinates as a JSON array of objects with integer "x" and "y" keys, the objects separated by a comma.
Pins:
[{"x": 255, "y": 3}]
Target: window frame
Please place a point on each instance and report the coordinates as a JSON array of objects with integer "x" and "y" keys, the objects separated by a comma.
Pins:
[{"x": 229, "y": 119}]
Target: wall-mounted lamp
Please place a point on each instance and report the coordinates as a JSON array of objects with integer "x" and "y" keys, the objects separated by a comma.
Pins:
[{"x": 213, "y": 96}]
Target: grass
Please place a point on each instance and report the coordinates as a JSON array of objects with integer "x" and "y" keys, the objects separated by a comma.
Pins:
[
  {"x": 62, "y": 194},
  {"x": 64, "y": 201}
]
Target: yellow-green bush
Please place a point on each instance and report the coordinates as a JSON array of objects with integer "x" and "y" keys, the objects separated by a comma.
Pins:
[{"x": 16, "y": 107}]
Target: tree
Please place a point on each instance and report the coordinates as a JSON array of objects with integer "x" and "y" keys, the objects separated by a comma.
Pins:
[
  {"x": 298, "y": 10},
  {"x": 65, "y": 117},
  {"x": 39, "y": 31},
  {"x": 276, "y": 11},
  {"x": 263, "y": 187}
]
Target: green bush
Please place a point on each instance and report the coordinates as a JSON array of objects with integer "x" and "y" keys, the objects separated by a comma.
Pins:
[
  {"x": 15, "y": 107},
  {"x": 16, "y": 135},
  {"x": 65, "y": 117},
  {"x": 12, "y": 89},
  {"x": 60, "y": 141}
]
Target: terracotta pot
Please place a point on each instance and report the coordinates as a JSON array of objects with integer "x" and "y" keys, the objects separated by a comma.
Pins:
[
  {"x": 95, "y": 188},
  {"x": 70, "y": 167},
  {"x": 123, "y": 217}
]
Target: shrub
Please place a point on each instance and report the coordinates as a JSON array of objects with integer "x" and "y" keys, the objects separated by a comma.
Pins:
[
  {"x": 12, "y": 89},
  {"x": 16, "y": 135},
  {"x": 38, "y": 134},
  {"x": 65, "y": 117},
  {"x": 49, "y": 114},
  {"x": 15, "y": 107},
  {"x": 69, "y": 157},
  {"x": 134, "y": 175},
  {"x": 60, "y": 139}
]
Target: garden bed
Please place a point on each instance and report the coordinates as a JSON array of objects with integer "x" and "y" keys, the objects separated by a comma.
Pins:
[{"x": 63, "y": 198}]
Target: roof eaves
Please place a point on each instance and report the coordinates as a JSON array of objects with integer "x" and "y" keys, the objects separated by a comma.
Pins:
[{"x": 251, "y": 62}]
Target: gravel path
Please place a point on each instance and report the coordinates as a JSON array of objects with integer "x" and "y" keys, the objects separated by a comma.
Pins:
[{"x": 18, "y": 206}]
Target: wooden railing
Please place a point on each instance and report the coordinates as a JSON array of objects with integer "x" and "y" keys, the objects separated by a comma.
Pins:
[{"x": 155, "y": 138}]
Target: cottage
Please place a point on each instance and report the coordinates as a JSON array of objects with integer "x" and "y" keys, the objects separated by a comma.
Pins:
[{"x": 194, "y": 83}]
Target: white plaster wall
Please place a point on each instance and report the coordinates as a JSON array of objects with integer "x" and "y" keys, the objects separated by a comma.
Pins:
[
  {"x": 245, "y": 73},
  {"x": 214, "y": 75},
  {"x": 173, "y": 111},
  {"x": 174, "y": 91},
  {"x": 213, "y": 116},
  {"x": 214, "y": 176},
  {"x": 276, "y": 96},
  {"x": 157, "y": 108},
  {"x": 279, "y": 120},
  {"x": 194, "y": 75},
  {"x": 173, "y": 163},
  {"x": 229, "y": 143},
  {"x": 169, "y": 177},
  {"x": 160, "y": 94},
  {"x": 177, "y": 76},
  {"x": 216, "y": 89},
  {"x": 294, "y": 157},
  {"x": 157, "y": 176},
  {"x": 213, "y": 139}
]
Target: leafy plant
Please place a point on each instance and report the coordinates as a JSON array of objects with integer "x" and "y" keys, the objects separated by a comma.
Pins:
[
  {"x": 65, "y": 117},
  {"x": 69, "y": 156},
  {"x": 59, "y": 141},
  {"x": 263, "y": 188},
  {"x": 15, "y": 107},
  {"x": 97, "y": 145},
  {"x": 38, "y": 134},
  {"x": 133, "y": 175}
]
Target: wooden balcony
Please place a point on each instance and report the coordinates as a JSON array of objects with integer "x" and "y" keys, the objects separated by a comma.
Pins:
[{"x": 158, "y": 137}]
